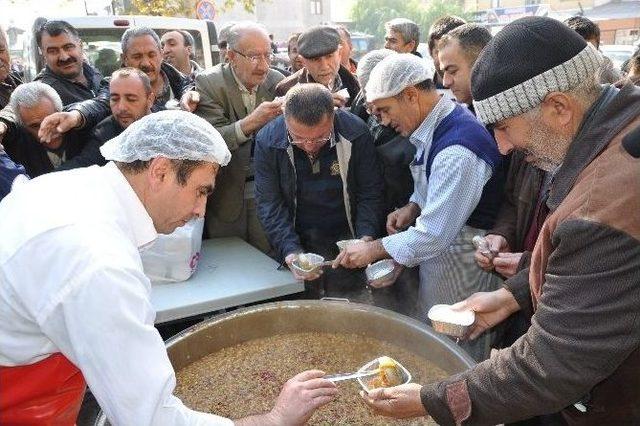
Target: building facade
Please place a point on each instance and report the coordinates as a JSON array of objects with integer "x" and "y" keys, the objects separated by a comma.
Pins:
[
  {"x": 281, "y": 17},
  {"x": 619, "y": 20}
]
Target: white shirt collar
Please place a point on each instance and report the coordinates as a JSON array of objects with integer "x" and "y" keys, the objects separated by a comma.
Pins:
[
  {"x": 137, "y": 216},
  {"x": 423, "y": 135}
]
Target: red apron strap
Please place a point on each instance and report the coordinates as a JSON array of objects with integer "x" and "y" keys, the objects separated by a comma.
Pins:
[{"x": 48, "y": 392}]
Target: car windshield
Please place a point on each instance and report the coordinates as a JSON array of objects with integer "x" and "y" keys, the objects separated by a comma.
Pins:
[
  {"x": 617, "y": 54},
  {"x": 102, "y": 47}
]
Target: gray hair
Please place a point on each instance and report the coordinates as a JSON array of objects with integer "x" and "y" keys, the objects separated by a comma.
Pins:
[
  {"x": 224, "y": 32},
  {"x": 135, "y": 32},
  {"x": 241, "y": 28},
  {"x": 409, "y": 30},
  {"x": 29, "y": 95},
  {"x": 343, "y": 32},
  {"x": 585, "y": 94},
  {"x": 368, "y": 62},
  {"x": 308, "y": 103}
]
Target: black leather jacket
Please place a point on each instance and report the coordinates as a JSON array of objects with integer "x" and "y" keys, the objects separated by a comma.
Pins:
[
  {"x": 70, "y": 91},
  {"x": 107, "y": 129}
]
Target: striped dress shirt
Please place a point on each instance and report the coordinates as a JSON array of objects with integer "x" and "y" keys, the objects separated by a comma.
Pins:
[{"x": 446, "y": 200}]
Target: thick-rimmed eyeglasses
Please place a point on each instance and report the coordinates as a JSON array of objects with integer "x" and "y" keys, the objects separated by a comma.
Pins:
[
  {"x": 254, "y": 59},
  {"x": 320, "y": 141}
]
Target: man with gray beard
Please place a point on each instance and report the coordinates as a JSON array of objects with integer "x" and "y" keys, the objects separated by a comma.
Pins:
[{"x": 535, "y": 82}]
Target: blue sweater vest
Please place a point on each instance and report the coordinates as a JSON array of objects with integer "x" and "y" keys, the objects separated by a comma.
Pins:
[{"x": 461, "y": 127}]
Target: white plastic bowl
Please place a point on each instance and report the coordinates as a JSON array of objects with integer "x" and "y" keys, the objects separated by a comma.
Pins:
[{"x": 372, "y": 365}]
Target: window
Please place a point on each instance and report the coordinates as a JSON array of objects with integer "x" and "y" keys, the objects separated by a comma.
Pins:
[
  {"x": 316, "y": 7},
  {"x": 102, "y": 47},
  {"x": 626, "y": 36}
]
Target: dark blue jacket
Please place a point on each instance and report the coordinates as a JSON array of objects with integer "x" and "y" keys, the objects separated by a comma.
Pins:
[
  {"x": 8, "y": 172},
  {"x": 276, "y": 181}
]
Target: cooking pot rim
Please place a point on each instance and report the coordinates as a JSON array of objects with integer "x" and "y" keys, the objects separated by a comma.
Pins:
[
  {"x": 341, "y": 305},
  {"x": 302, "y": 304}
]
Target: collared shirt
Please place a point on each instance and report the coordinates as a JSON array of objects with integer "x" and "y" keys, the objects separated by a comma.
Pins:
[
  {"x": 71, "y": 281},
  {"x": 446, "y": 200},
  {"x": 249, "y": 101},
  {"x": 56, "y": 158},
  {"x": 195, "y": 70}
]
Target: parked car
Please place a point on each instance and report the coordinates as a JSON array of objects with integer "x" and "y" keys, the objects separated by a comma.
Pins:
[
  {"x": 281, "y": 59},
  {"x": 362, "y": 43},
  {"x": 618, "y": 53},
  {"x": 101, "y": 39}
]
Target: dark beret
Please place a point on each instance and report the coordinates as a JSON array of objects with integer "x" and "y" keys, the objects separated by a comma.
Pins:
[{"x": 318, "y": 41}]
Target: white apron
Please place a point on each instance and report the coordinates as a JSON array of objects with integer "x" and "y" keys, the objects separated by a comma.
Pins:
[{"x": 453, "y": 275}]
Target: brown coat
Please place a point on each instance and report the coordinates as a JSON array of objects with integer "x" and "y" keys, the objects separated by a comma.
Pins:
[{"x": 584, "y": 341}]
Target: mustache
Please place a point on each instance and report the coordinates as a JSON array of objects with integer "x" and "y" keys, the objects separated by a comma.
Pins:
[
  {"x": 123, "y": 115},
  {"x": 146, "y": 70},
  {"x": 71, "y": 60}
]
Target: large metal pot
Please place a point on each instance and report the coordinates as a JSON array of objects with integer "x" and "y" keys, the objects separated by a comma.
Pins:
[{"x": 311, "y": 315}]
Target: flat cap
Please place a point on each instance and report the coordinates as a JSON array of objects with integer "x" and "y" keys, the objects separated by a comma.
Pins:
[{"x": 318, "y": 41}]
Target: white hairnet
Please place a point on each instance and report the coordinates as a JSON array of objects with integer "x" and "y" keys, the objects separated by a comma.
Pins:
[
  {"x": 397, "y": 72},
  {"x": 368, "y": 62},
  {"x": 176, "y": 135}
]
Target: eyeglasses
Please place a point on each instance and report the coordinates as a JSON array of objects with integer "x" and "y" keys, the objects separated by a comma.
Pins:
[
  {"x": 254, "y": 59},
  {"x": 320, "y": 141}
]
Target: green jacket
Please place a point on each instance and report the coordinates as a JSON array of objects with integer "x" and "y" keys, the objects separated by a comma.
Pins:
[{"x": 221, "y": 105}]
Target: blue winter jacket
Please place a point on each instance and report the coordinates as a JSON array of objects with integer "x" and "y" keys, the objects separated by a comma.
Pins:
[{"x": 8, "y": 172}]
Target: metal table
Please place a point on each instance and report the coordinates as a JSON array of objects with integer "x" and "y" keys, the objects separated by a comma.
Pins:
[{"x": 230, "y": 273}]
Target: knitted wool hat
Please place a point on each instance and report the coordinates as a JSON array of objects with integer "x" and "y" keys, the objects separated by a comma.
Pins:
[{"x": 525, "y": 61}]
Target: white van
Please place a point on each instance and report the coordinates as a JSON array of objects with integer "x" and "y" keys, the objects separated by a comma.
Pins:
[{"x": 101, "y": 39}]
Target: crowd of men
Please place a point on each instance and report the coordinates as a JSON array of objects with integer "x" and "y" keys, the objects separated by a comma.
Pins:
[{"x": 413, "y": 156}]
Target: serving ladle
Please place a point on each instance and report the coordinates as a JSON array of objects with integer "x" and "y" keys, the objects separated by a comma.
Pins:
[
  {"x": 390, "y": 372},
  {"x": 349, "y": 376},
  {"x": 310, "y": 262}
]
